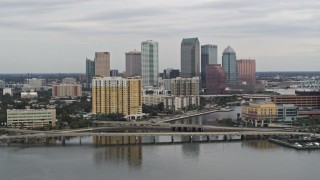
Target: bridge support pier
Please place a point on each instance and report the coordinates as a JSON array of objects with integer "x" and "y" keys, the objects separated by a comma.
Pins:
[
  {"x": 172, "y": 139},
  {"x": 63, "y": 141},
  {"x": 208, "y": 138},
  {"x": 225, "y": 137},
  {"x": 154, "y": 140},
  {"x": 80, "y": 141}
]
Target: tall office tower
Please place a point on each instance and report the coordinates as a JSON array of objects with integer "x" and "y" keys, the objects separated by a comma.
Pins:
[
  {"x": 209, "y": 55},
  {"x": 89, "y": 72},
  {"x": 102, "y": 64},
  {"x": 133, "y": 63},
  {"x": 229, "y": 65},
  {"x": 215, "y": 78},
  {"x": 247, "y": 70},
  {"x": 149, "y": 63},
  {"x": 117, "y": 95},
  {"x": 185, "y": 86},
  {"x": 190, "y": 58}
]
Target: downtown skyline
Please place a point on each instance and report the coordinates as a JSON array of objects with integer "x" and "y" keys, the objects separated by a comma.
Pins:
[{"x": 280, "y": 35}]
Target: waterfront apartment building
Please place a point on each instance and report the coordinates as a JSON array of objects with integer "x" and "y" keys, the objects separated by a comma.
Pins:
[
  {"x": 66, "y": 90},
  {"x": 185, "y": 86},
  {"x": 102, "y": 64},
  {"x": 90, "y": 72},
  {"x": 149, "y": 63},
  {"x": 133, "y": 63},
  {"x": 247, "y": 70},
  {"x": 209, "y": 55},
  {"x": 117, "y": 95},
  {"x": 172, "y": 103},
  {"x": 31, "y": 118},
  {"x": 190, "y": 58},
  {"x": 229, "y": 64},
  {"x": 216, "y": 80}
]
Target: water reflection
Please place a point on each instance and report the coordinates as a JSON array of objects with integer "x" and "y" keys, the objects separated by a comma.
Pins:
[
  {"x": 260, "y": 145},
  {"x": 132, "y": 155},
  {"x": 191, "y": 151}
]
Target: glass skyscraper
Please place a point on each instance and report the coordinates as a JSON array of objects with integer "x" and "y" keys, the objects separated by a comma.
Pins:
[
  {"x": 209, "y": 55},
  {"x": 190, "y": 58},
  {"x": 90, "y": 67},
  {"x": 229, "y": 64},
  {"x": 149, "y": 63}
]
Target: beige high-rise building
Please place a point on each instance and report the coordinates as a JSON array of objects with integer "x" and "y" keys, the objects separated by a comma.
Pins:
[
  {"x": 116, "y": 95},
  {"x": 102, "y": 64},
  {"x": 133, "y": 63},
  {"x": 185, "y": 86}
]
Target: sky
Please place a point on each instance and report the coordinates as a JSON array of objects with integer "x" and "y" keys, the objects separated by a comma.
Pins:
[{"x": 48, "y": 36}]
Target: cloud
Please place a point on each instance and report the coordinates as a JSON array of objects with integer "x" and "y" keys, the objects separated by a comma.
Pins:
[{"x": 131, "y": 21}]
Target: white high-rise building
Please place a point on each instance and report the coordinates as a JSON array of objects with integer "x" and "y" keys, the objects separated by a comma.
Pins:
[{"x": 149, "y": 63}]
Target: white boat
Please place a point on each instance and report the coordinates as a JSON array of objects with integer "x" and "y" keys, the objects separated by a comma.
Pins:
[{"x": 297, "y": 145}]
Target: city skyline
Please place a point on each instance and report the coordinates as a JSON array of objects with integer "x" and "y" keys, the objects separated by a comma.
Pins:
[{"x": 57, "y": 36}]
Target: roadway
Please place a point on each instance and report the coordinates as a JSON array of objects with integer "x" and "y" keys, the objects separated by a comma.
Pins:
[{"x": 141, "y": 134}]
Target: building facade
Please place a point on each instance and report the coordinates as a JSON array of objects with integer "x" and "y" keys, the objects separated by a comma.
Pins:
[
  {"x": 190, "y": 58},
  {"x": 149, "y": 63},
  {"x": 117, "y": 95},
  {"x": 133, "y": 63},
  {"x": 229, "y": 64},
  {"x": 305, "y": 101},
  {"x": 31, "y": 118},
  {"x": 260, "y": 113},
  {"x": 216, "y": 80},
  {"x": 7, "y": 91},
  {"x": 287, "y": 112},
  {"x": 170, "y": 73},
  {"x": 185, "y": 86},
  {"x": 247, "y": 70},
  {"x": 114, "y": 73},
  {"x": 102, "y": 64},
  {"x": 66, "y": 90},
  {"x": 90, "y": 72},
  {"x": 209, "y": 55}
]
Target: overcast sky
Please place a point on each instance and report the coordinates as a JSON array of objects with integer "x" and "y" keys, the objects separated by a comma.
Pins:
[{"x": 39, "y": 36}]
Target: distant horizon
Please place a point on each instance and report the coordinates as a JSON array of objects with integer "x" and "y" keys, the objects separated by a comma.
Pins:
[{"x": 159, "y": 72}]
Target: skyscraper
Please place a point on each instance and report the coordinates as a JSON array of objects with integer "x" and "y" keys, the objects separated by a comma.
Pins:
[
  {"x": 215, "y": 78},
  {"x": 102, "y": 64},
  {"x": 150, "y": 63},
  {"x": 247, "y": 70},
  {"x": 89, "y": 72},
  {"x": 209, "y": 55},
  {"x": 133, "y": 63},
  {"x": 229, "y": 64},
  {"x": 190, "y": 58}
]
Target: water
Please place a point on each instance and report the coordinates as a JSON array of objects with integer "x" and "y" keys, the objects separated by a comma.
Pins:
[{"x": 247, "y": 160}]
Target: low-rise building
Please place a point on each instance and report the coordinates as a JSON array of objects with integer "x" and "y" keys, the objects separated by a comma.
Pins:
[
  {"x": 7, "y": 91},
  {"x": 31, "y": 118},
  {"x": 259, "y": 113},
  {"x": 287, "y": 112},
  {"x": 29, "y": 95}
]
